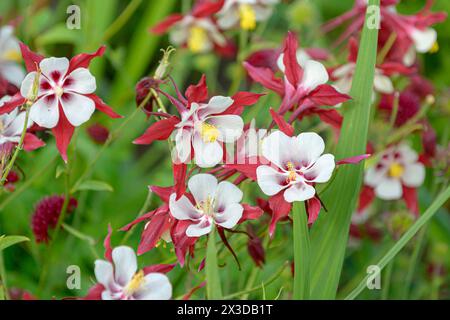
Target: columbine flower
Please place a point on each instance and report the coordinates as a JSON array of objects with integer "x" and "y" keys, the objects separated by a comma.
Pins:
[
  {"x": 298, "y": 164},
  {"x": 65, "y": 97},
  {"x": 121, "y": 279},
  {"x": 197, "y": 30},
  {"x": 10, "y": 57},
  {"x": 204, "y": 125},
  {"x": 213, "y": 203},
  {"x": 397, "y": 168},
  {"x": 11, "y": 127},
  {"x": 299, "y": 82},
  {"x": 244, "y": 13}
]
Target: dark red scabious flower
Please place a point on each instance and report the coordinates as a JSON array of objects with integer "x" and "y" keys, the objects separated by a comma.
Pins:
[
  {"x": 142, "y": 90},
  {"x": 302, "y": 87},
  {"x": 98, "y": 133},
  {"x": 255, "y": 248},
  {"x": 46, "y": 216}
]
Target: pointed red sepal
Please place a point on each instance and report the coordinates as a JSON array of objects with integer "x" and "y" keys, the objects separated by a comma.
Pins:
[
  {"x": 83, "y": 60},
  {"x": 285, "y": 127},
  {"x": 31, "y": 58},
  {"x": 160, "y": 130},
  {"x": 63, "y": 133}
]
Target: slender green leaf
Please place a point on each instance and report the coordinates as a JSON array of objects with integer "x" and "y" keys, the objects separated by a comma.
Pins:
[
  {"x": 94, "y": 185},
  {"x": 213, "y": 284},
  {"x": 7, "y": 241},
  {"x": 301, "y": 252},
  {"x": 429, "y": 213},
  {"x": 330, "y": 233}
]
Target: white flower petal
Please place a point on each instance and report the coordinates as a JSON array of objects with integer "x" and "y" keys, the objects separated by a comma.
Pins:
[
  {"x": 183, "y": 144},
  {"x": 45, "y": 112},
  {"x": 383, "y": 84},
  {"x": 156, "y": 286},
  {"x": 227, "y": 194},
  {"x": 207, "y": 154},
  {"x": 229, "y": 126},
  {"x": 199, "y": 229},
  {"x": 423, "y": 39},
  {"x": 26, "y": 89},
  {"x": 77, "y": 108},
  {"x": 216, "y": 105},
  {"x": 125, "y": 264},
  {"x": 230, "y": 216},
  {"x": 314, "y": 74},
  {"x": 389, "y": 189},
  {"x": 202, "y": 186},
  {"x": 279, "y": 148},
  {"x": 270, "y": 180},
  {"x": 299, "y": 192},
  {"x": 407, "y": 154},
  {"x": 322, "y": 170},
  {"x": 414, "y": 175},
  {"x": 12, "y": 73},
  {"x": 15, "y": 127},
  {"x": 54, "y": 68},
  {"x": 374, "y": 176},
  {"x": 80, "y": 81},
  {"x": 311, "y": 147},
  {"x": 104, "y": 272},
  {"x": 183, "y": 209}
]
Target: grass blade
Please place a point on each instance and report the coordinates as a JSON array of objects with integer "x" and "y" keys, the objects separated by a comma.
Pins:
[
  {"x": 330, "y": 233},
  {"x": 213, "y": 284},
  {"x": 429, "y": 213},
  {"x": 301, "y": 252}
]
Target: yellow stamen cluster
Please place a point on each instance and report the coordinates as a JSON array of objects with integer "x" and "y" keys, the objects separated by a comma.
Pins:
[
  {"x": 207, "y": 206},
  {"x": 197, "y": 39},
  {"x": 209, "y": 132},
  {"x": 396, "y": 170},
  {"x": 135, "y": 283},
  {"x": 292, "y": 176},
  {"x": 434, "y": 48},
  {"x": 247, "y": 16},
  {"x": 12, "y": 55}
]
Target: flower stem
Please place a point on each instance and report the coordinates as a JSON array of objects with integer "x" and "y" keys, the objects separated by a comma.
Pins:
[
  {"x": 387, "y": 282},
  {"x": 213, "y": 284},
  {"x": 117, "y": 25},
  {"x": 144, "y": 208},
  {"x": 301, "y": 252},
  {"x": 3, "y": 283},
  {"x": 18, "y": 149}
]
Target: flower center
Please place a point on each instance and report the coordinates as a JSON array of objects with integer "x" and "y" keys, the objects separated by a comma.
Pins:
[
  {"x": 197, "y": 39},
  {"x": 292, "y": 174},
  {"x": 207, "y": 206},
  {"x": 434, "y": 48},
  {"x": 247, "y": 16},
  {"x": 209, "y": 132},
  {"x": 58, "y": 91},
  {"x": 396, "y": 170},
  {"x": 12, "y": 55},
  {"x": 135, "y": 283}
]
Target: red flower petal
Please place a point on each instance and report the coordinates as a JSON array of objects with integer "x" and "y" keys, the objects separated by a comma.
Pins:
[
  {"x": 63, "y": 133},
  {"x": 199, "y": 92},
  {"x": 313, "y": 207},
  {"x": 353, "y": 160},
  {"x": 280, "y": 209},
  {"x": 327, "y": 95},
  {"x": 103, "y": 107},
  {"x": 159, "y": 268},
  {"x": 107, "y": 244},
  {"x": 160, "y": 130},
  {"x": 168, "y": 22},
  {"x": 266, "y": 77},
  {"x": 207, "y": 8},
  {"x": 285, "y": 127},
  {"x": 83, "y": 60},
  {"x": 410, "y": 197},
  {"x": 250, "y": 213},
  {"x": 293, "y": 71},
  {"x": 31, "y": 58},
  {"x": 16, "y": 101},
  {"x": 31, "y": 142}
]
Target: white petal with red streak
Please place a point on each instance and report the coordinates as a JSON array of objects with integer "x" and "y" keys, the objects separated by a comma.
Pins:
[
  {"x": 50, "y": 65},
  {"x": 311, "y": 147},
  {"x": 322, "y": 169},
  {"x": 77, "y": 108},
  {"x": 230, "y": 216},
  {"x": 45, "y": 112},
  {"x": 183, "y": 144},
  {"x": 270, "y": 180},
  {"x": 216, "y": 105},
  {"x": 202, "y": 186},
  {"x": 199, "y": 229},
  {"x": 82, "y": 81},
  {"x": 414, "y": 175}
]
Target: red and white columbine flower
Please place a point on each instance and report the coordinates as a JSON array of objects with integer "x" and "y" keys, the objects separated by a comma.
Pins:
[
  {"x": 196, "y": 30},
  {"x": 65, "y": 96},
  {"x": 204, "y": 124},
  {"x": 10, "y": 57},
  {"x": 11, "y": 127},
  {"x": 244, "y": 13},
  {"x": 214, "y": 203},
  {"x": 121, "y": 279},
  {"x": 297, "y": 164},
  {"x": 398, "y": 168},
  {"x": 300, "y": 84}
]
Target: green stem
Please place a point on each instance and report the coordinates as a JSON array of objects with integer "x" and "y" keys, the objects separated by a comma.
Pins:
[
  {"x": 143, "y": 210},
  {"x": 413, "y": 262},
  {"x": 429, "y": 213},
  {"x": 213, "y": 284},
  {"x": 3, "y": 282},
  {"x": 117, "y": 25},
  {"x": 301, "y": 252},
  {"x": 18, "y": 149}
]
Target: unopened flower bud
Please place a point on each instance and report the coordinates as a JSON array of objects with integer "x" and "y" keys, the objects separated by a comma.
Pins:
[
  {"x": 98, "y": 133},
  {"x": 161, "y": 70},
  {"x": 255, "y": 248}
]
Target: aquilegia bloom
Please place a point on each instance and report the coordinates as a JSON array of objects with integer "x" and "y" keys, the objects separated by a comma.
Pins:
[
  {"x": 214, "y": 203},
  {"x": 65, "y": 97},
  {"x": 122, "y": 280},
  {"x": 298, "y": 164},
  {"x": 397, "y": 167}
]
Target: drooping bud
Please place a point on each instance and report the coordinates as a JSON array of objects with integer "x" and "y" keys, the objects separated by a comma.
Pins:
[
  {"x": 98, "y": 133},
  {"x": 142, "y": 91},
  {"x": 255, "y": 248}
]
